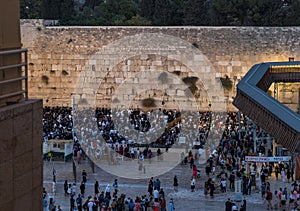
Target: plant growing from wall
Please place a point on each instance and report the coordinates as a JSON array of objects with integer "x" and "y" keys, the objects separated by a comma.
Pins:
[
  {"x": 148, "y": 102},
  {"x": 64, "y": 72},
  {"x": 192, "y": 80},
  {"x": 177, "y": 72},
  {"x": 45, "y": 79},
  {"x": 195, "y": 45},
  {"x": 226, "y": 83}
]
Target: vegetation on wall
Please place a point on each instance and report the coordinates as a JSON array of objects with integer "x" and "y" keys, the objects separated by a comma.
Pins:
[
  {"x": 226, "y": 82},
  {"x": 45, "y": 79},
  {"x": 165, "y": 12},
  {"x": 148, "y": 103}
]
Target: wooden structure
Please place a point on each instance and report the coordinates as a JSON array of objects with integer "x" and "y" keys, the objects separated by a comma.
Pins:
[{"x": 275, "y": 118}]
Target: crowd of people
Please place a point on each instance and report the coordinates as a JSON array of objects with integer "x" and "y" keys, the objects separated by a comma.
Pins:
[
  {"x": 57, "y": 123},
  {"x": 109, "y": 198},
  {"x": 99, "y": 135}
]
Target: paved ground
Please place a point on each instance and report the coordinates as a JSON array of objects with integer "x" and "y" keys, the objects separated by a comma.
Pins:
[{"x": 185, "y": 200}]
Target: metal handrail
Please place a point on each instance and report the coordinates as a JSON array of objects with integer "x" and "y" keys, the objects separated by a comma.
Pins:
[{"x": 24, "y": 63}]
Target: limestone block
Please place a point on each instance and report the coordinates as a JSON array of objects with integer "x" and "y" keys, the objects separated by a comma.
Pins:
[
  {"x": 236, "y": 63},
  {"x": 223, "y": 63},
  {"x": 198, "y": 57},
  {"x": 237, "y": 69},
  {"x": 229, "y": 69}
]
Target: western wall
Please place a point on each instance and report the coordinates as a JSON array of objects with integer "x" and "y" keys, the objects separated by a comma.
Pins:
[{"x": 181, "y": 67}]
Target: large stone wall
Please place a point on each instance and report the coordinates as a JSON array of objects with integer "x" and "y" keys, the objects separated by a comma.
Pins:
[{"x": 101, "y": 65}]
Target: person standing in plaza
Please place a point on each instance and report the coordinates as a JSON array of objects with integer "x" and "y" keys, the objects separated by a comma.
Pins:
[
  {"x": 171, "y": 205},
  {"x": 51, "y": 204},
  {"x": 72, "y": 203},
  {"x": 53, "y": 188},
  {"x": 45, "y": 203},
  {"x": 283, "y": 175},
  {"x": 66, "y": 187},
  {"x": 223, "y": 185},
  {"x": 78, "y": 156},
  {"x": 249, "y": 185},
  {"x": 107, "y": 192},
  {"x": 193, "y": 184},
  {"x": 84, "y": 176},
  {"x": 234, "y": 207},
  {"x": 263, "y": 190},
  {"x": 155, "y": 194},
  {"x": 79, "y": 202},
  {"x": 194, "y": 171},
  {"x": 82, "y": 188},
  {"x": 276, "y": 200},
  {"x": 288, "y": 174},
  {"x": 175, "y": 183},
  {"x": 228, "y": 205},
  {"x": 269, "y": 199},
  {"x": 96, "y": 188},
  {"x": 231, "y": 181},
  {"x": 277, "y": 171},
  {"x": 244, "y": 205},
  {"x": 115, "y": 186},
  {"x": 74, "y": 189}
]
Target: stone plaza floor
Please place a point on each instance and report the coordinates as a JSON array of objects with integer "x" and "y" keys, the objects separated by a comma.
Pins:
[{"x": 184, "y": 199}]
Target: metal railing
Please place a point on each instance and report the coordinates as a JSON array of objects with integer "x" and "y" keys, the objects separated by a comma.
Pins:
[{"x": 24, "y": 69}]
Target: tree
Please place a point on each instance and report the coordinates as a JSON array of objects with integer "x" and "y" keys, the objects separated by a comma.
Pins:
[
  {"x": 92, "y": 3},
  {"x": 161, "y": 15},
  {"x": 292, "y": 11},
  {"x": 51, "y": 9},
  {"x": 147, "y": 8},
  {"x": 30, "y": 9},
  {"x": 115, "y": 12},
  {"x": 176, "y": 12},
  {"x": 138, "y": 21},
  {"x": 196, "y": 12},
  {"x": 268, "y": 12},
  {"x": 67, "y": 12}
]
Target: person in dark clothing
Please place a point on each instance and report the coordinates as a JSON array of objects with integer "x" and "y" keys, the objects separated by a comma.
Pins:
[
  {"x": 84, "y": 175},
  {"x": 243, "y": 206},
  {"x": 175, "y": 183},
  {"x": 66, "y": 187},
  {"x": 231, "y": 180},
  {"x": 82, "y": 188},
  {"x": 96, "y": 187},
  {"x": 72, "y": 203},
  {"x": 79, "y": 202},
  {"x": 228, "y": 205}
]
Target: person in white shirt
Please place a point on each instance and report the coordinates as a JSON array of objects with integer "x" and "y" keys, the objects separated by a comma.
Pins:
[
  {"x": 234, "y": 207},
  {"x": 156, "y": 194}
]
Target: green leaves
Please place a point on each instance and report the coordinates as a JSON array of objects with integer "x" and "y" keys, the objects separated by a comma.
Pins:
[{"x": 166, "y": 12}]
